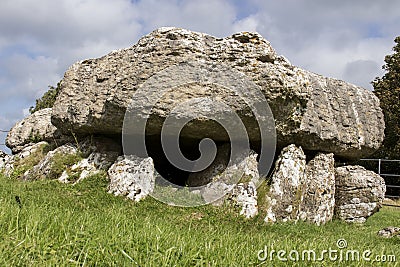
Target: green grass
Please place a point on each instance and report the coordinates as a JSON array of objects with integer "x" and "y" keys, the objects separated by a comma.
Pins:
[
  {"x": 83, "y": 225},
  {"x": 21, "y": 165},
  {"x": 61, "y": 162}
]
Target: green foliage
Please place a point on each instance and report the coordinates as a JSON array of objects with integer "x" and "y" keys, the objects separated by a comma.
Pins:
[
  {"x": 83, "y": 225},
  {"x": 21, "y": 165},
  {"x": 48, "y": 99},
  {"x": 175, "y": 196},
  {"x": 387, "y": 89},
  {"x": 262, "y": 193},
  {"x": 61, "y": 162},
  {"x": 34, "y": 137}
]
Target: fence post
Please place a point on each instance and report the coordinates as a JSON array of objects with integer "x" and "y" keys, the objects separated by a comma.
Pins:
[{"x": 379, "y": 166}]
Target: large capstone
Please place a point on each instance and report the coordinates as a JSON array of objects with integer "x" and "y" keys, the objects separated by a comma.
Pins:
[{"x": 311, "y": 111}]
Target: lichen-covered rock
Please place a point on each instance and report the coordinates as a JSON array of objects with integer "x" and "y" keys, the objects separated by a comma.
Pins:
[
  {"x": 34, "y": 128},
  {"x": 98, "y": 153},
  {"x": 57, "y": 158},
  {"x": 91, "y": 165},
  {"x": 6, "y": 165},
  {"x": 359, "y": 193},
  {"x": 389, "y": 232},
  {"x": 31, "y": 149},
  {"x": 244, "y": 196},
  {"x": 234, "y": 184},
  {"x": 288, "y": 186},
  {"x": 10, "y": 162},
  {"x": 132, "y": 177},
  {"x": 312, "y": 111},
  {"x": 319, "y": 196},
  {"x": 301, "y": 190}
]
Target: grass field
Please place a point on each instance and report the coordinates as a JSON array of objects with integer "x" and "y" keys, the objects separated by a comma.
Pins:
[{"x": 83, "y": 225}]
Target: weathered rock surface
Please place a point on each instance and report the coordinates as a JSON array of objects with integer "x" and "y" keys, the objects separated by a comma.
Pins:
[
  {"x": 4, "y": 158},
  {"x": 9, "y": 163},
  {"x": 44, "y": 168},
  {"x": 389, "y": 232},
  {"x": 244, "y": 196},
  {"x": 98, "y": 153},
  {"x": 319, "y": 195},
  {"x": 132, "y": 177},
  {"x": 301, "y": 190},
  {"x": 311, "y": 111},
  {"x": 359, "y": 193},
  {"x": 31, "y": 149},
  {"x": 237, "y": 180},
  {"x": 288, "y": 186},
  {"x": 34, "y": 128},
  {"x": 86, "y": 167}
]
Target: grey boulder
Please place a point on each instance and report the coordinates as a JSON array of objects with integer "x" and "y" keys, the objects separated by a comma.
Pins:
[
  {"x": 310, "y": 110},
  {"x": 389, "y": 232},
  {"x": 132, "y": 177},
  {"x": 359, "y": 193},
  {"x": 34, "y": 128},
  {"x": 93, "y": 164},
  {"x": 44, "y": 169},
  {"x": 9, "y": 163}
]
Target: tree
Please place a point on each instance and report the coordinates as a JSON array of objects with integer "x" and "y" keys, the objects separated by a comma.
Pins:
[
  {"x": 48, "y": 99},
  {"x": 387, "y": 89}
]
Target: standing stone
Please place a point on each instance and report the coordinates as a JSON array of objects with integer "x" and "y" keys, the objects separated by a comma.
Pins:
[
  {"x": 301, "y": 190},
  {"x": 359, "y": 193},
  {"x": 244, "y": 196},
  {"x": 319, "y": 195},
  {"x": 288, "y": 186},
  {"x": 236, "y": 183},
  {"x": 244, "y": 193},
  {"x": 132, "y": 177}
]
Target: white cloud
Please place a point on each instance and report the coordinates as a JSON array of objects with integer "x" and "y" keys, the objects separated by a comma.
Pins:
[
  {"x": 40, "y": 39},
  {"x": 212, "y": 16},
  {"x": 356, "y": 71},
  {"x": 325, "y": 37},
  {"x": 25, "y": 112},
  {"x": 30, "y": 75},
  {"x": 249, "y": 23}
]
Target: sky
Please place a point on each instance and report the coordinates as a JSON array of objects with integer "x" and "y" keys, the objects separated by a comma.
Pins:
[{"x": 40, "y": 39}]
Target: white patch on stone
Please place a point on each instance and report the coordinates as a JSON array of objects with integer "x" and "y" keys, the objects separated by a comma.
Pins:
[{"x": 132, "y": 177}]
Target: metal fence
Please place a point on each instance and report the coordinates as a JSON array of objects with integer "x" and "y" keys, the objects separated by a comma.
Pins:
[{"x": 392, "y": 179}]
